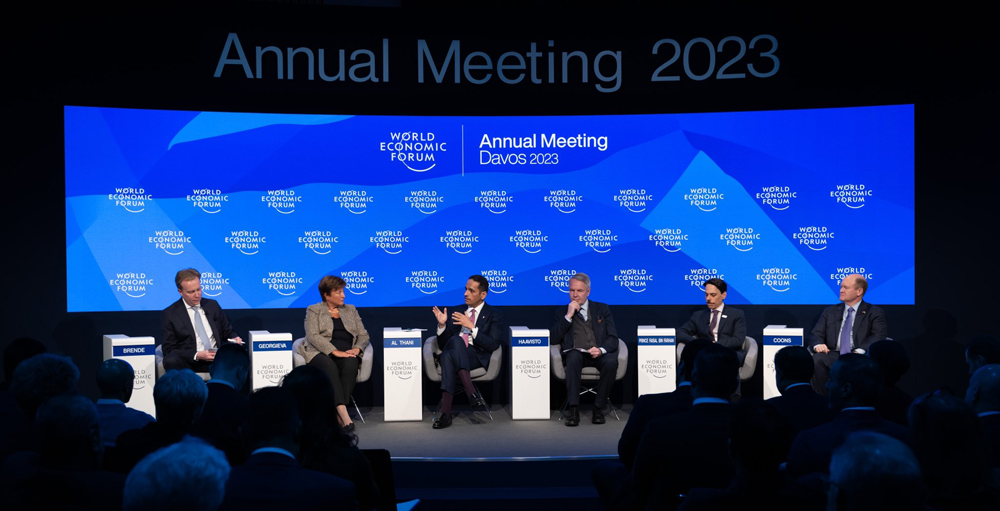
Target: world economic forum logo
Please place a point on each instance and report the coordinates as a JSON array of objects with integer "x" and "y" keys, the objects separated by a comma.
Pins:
[
  {"x": 212, "y": 282},
  {"x": 852, "y": 195},
  {"x": 814, "y": 237},
  {"x": 633, "y": 199},
  {"x": 705, "y": 199},
  {"x": 208, "y": 200},
  {"x": 247, "y": 242},
  {"x": 778, "y": 279},
  {"x": 696, "y": 277},
  {"x": 841, "y": 272},
  {"x": 320, "y": 242},
  {"x": 417, "y": 151},
  {"x": 424, "y": 201},
  {"x": 530, "y": 241},
  {"x": 779, "y": 198},
  {"x": 425, "y": 281},
  {"x": 132, "y": 200},
  {"x": 559, "y": 279},
  {"x": 462, "y": 242},
  {"x": 132, "y": 284},
  {"x": 564, "y": 201},
  {"x": 494, "y": 201},
  {"x": 282, "y": 201},
  {"x": 599, "y": 239},
  {"x": 740, "y": 238},
  {"x": 670, "y": 240},
  {"x": 391, "y": 242},
  {"x": 635, "y": 280},
  {"x": 282, "y": 282},
  {"x": 169, "y": 241},
  {"x": 499, "y": 280},
  {"x": 357, "y": 281},
  {"x": 354, "y": 201}
]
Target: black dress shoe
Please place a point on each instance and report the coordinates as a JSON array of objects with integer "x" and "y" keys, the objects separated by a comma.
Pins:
[
  {"x": 443, "y": 421},
  {"x": 598, "y": 417},
  {"x": 476, "y": 400},
  {"x": 573, "y": 419}
]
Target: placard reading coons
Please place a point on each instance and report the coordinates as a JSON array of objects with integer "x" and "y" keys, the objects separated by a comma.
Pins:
[{"x": 780, "y": 204}]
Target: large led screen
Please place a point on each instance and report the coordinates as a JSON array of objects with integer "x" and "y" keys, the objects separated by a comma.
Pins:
[{"x": 780, "y": 204}]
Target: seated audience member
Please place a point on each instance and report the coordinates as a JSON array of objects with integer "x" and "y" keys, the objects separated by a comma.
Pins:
[
  {"x": 982, "y": 350},
  {"x": 609, "y": 475},
  {"x": 324, "y": 446},
  {"x": 893, "y": 403},
  {"x": 12, "y": 421},
  {"x": 853, "y": 388},
  {"x": 179, "y": 396},
  {"x": 688, "y": 449},
  {"x": 226, "y": 406},
  {"x": 189, "y": 475},
  {"x": 798, "y": 403},
  {"x": 271, "y": 478},
  {"x": 948, "y": 441},
  {"x": 756, "y": 442},
  {"x": 984, "y": 398},
  {"x": 35, "y": 381},
  {"x": 70, "y": 456},
  {"x": 874, "y": 472},
  {"x": 116, "y": 379}
]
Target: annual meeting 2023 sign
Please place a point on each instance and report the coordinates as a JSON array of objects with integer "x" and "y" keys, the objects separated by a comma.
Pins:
[{"x": 781, "y": 204}]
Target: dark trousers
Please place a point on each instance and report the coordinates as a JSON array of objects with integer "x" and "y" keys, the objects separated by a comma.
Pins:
[
  {"x": 343, "y": 374},
  {"x": 455, "y": 355},
  {"x": 822, "y": 362},
  {"x": 175, "y": 360},
  {"x": 575, "y": 361}
]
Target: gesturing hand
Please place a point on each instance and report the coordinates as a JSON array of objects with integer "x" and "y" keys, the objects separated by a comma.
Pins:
[{"x": 441, "y": 317}]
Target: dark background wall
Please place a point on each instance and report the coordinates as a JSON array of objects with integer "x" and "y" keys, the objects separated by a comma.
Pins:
[{"x": 940, "y": 61}]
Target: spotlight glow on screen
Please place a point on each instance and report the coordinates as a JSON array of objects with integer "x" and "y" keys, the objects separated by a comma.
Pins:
[{"x": 780, "y": 204}]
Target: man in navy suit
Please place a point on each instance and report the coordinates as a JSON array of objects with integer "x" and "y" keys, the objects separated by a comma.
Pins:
[
  {"x": 587, "y": 333},
  {"x": 848, "y": 327},
  {"x": 193, "y": 327},
  {"x": 475, "y": 332},
  {"x": 719, "y": 323}
]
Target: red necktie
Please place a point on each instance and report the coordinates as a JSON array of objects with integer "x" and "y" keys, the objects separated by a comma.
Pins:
[{"x": 465, "y": 336}]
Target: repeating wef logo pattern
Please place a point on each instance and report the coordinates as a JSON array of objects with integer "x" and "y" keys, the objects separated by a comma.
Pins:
[
  {"x": 208, "y": 200},
  {"x": 565, "y": 201},
  {"x": 415, "y": 150},
  {"x": 779, "y": 198},
  {"x": 132, "y": 200},
  {"x": 559, "y": 279},
  {"x": 670, "y": 240},
  {"x": 841, "y": 272},
  {"x": 320, "y": 242},
  {"x": 282, "y": 282},
  {"x": 635, "y": 280},
  {"x": 212, "y": 282},
  {"x": 697, "y": 276},
  {"x": 495, "y": 201},
  {"x": 357, "y": 281},
  {"x": 633, "y": 199},
  {"x": 814, "y": 237},
  {"x": 169, "y": 241},
  {"x": 461, "y": 242},
  {"x": 740, "y": 238},
  {"x": 705, "y": 199},
  {"x": 132, "y": 284},
  {"x": 425, "y": 281},
  {"x": 778, "y": 279},
  {"x": 530, "y": 241},
  {"x": 424, "y": 201},
  {"x": 499, "y": 280},
  {"x": 599, "y": 239},
  {"x": 392, "y": 242},
  {"x": 354, "y": 201},
  {"x": 852, "y": 195},
  {"x": 247, "y": 242},
  {"x": 282, "y": 201}
]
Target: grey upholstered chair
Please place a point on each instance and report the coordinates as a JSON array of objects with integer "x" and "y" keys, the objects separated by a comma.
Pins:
[
  {"x": 589, "y": 374},
  {"x": 432, "y": 367}
]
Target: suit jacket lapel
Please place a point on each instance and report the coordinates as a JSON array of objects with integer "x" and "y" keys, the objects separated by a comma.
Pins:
[
  {"x": 481, "y": 317},
  {"x": 859, "y": 313}
]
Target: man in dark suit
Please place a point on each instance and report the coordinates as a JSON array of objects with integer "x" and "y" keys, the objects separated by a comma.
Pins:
[
  {"x": 802, "y": 407},
  {"x": 193, "y": 327},
  {"x": 719, "y": 323},
  {"x": 271, "y": 478},
  {"x": 476, "y": 331},
  {"x": 854, "y": 386},
  {"x": 587, "y": 333},
  {"x": 116, "y": 379},
  {"x": 688, "y": 449},
  {"x": 226, "y": 406},
  {"x": 984, "y": 398},
  {"x": 848, "y": 327}
]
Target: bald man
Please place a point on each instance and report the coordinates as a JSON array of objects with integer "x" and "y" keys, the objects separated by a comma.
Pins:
[
  {"x": 848, "y": 327},
  {"x": 984, "y": 397}
]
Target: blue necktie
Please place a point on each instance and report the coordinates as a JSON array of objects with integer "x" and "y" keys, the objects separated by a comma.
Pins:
[
  {"x": 199, "y": 328},
  {"x": 845, "y": 332}
]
